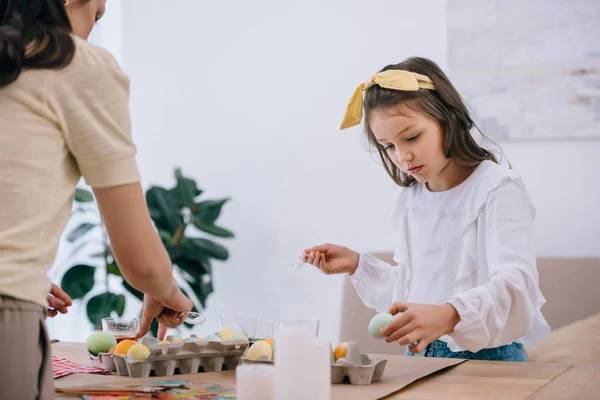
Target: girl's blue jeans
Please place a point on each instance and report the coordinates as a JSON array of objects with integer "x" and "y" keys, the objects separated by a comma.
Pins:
[{"x": 509, "y": 352}]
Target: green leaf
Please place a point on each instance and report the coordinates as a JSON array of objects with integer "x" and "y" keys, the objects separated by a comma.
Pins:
[
  {"x": 102, "y": 305},
  {"x": 212, "y": 229},
  {"x": 78, "y": 281},
  {"x": 204, "y": 290},
  {"x": 83, "y": 196},
  {"x": 81, "y": 230},
  {"x": 133, "y": 291},
  {"x": 185, "y": 190},
  {"x": 120, "y": 304},
  {"x": 165, "y": 236},
  {"x": 194, "y": 276},
  {"x": 154, "y": 328},
  {"x": 206, "y": 248},
  {"x": 166, "y": 213},
  {"x": 196, "y": 269},
  {"x": 113, "y": 269},
  {"x": 154, "y": 213},
  {"x": 208, "y": 211}
]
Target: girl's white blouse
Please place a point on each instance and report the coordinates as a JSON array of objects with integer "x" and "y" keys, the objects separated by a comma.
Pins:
[{"x": 471, "y": 246}]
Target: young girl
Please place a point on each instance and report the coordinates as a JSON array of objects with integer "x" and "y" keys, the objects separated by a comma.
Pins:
[
  {"x": 64, "y": 114},
  {"x": 466, "y": 283}
]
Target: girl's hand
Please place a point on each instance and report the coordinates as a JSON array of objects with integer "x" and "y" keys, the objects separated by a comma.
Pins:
[
  {"x": 58, "y": 301},
  {"x": 332, "y": 259},
  {"x": 422, "y": 323}
]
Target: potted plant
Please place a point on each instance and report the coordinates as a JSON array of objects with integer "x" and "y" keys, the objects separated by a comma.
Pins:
[{"x": 186, "y": 227}]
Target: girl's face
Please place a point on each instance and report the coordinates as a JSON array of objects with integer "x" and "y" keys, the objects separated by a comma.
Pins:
[
  {"x": 413, "y": 141},
  {"x": 83, "y": 15}
]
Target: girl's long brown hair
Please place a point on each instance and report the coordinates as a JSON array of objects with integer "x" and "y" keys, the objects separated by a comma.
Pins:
[{"x": 444, "y": 105}]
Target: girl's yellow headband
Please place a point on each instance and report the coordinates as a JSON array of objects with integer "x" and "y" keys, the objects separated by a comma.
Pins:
[{"x": 390, "y": 79}]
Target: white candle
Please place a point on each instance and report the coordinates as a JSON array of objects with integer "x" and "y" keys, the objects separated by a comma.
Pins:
[
  {"x": 293, "y": 353},
  {"x": 321, "y": 370},
  {"x": 255, "y": 382}
]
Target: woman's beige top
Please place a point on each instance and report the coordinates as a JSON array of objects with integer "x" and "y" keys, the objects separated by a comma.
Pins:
[{"x": 56, "y": 126}]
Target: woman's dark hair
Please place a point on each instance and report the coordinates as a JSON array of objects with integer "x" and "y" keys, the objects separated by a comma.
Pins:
[
  {"x": 443, "y": 104},
  {"x": 34, "y": 34}
]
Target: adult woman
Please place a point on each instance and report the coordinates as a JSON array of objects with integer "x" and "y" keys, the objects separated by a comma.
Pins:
[{"x": 64, "y": 112}]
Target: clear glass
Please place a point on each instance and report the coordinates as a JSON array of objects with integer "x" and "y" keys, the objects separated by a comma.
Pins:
[
  {"x": 194, "y": 318},
  {"x": 121, "y": 328},
  {"x": 299, "y": 262},
  {"x": 264, "y": 328},
  {"x": 311, "y": 324},
  {"x": 244, "y": 324}
]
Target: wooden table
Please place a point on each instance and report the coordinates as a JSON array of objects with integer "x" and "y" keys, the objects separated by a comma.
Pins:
[{"x": 469, "y": 380}]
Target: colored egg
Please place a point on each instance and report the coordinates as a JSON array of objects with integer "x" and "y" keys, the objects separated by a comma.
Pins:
[
  {"x": 212, "y": 338},
  {"x": 100, "y": 342},
  {"x": 164, "y": 342},
  {"x": 239, "y": 337},
  {"x": 260, "y": 350},
  {"x": 190, "y": 339},
  {"x": 177, "y": 339},
  {"x": 378, "y": 322},
  {"x": 340, "y": 350},
  {"x": 123, "y": 346},
  {"x": 138, "y": 352},
  {"x": 225, "y": 334}
]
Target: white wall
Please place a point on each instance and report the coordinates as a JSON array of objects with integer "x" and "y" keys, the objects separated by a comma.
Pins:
[
  {"x": 563, "y": 181},
  {"x": 247, "y": 98}
]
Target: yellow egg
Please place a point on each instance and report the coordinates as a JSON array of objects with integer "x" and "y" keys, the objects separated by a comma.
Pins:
[
  {"x": 164, "y": 342},
  {"x": 177, "y": 339},
  {"x": 200, "y": 339},
  {"x": 225, "y": 334},
  {"x": 138, "y": 352},
  {"x": 260, "y": 350},
  {"x": 240, "y": 337}
]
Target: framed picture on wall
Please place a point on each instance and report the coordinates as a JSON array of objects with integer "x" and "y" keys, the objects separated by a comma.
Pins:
[{"x": 529, "y": 70}]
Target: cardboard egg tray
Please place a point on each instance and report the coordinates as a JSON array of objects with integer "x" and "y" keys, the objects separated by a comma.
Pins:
[
  {"x": 364, "y": 373},
  {"x": 356, "y": 368},
  {"x": 169, "y": 359}
]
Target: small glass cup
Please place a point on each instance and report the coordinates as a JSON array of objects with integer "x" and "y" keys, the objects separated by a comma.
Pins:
[
  {"x": 121, "y": 328},
  {"x": 311, "y": 324},
  {"x": 264, "y": 329},
  {"x": 244, "y": 324}
]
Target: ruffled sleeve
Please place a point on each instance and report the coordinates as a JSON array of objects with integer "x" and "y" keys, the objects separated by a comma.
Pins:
[
  {"x": 377, "y": 283},
  {"x": 504, "y": 307}
]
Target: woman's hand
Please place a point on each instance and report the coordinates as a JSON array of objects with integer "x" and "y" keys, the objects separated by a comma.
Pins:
[
  {"x": 422, "y": 323},
  {"x": 58, "y": 301},
  {"x": 170, "y": 312},
  {"x": 332, "y": 259}
]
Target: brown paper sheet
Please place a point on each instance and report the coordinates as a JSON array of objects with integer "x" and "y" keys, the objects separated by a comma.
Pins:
[{"x": 399, "y": 373}]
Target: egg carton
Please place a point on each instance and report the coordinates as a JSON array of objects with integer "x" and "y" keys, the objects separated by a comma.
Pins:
[
  {"x": 104, "y": 361},
  {"x": 182, "y": 357},
  {"x": 355, "y": 368},
  {"x": 365, "y": 372}
]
